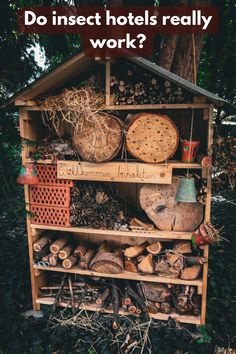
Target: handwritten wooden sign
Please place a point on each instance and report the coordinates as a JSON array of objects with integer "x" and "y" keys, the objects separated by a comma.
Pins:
[{"x": 115, "y": 172}]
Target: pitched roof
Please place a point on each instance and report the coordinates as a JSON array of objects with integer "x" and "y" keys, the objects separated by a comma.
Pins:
[{"x": 80, "y": 63}]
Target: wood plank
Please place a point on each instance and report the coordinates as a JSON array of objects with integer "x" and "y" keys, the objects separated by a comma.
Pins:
[
  {"x": 24, "y": 154},
  {"x": 143, "y": 107},
  {"x": 207, "y": 215},
  {"x": 115, "y": 172},
  {"x": 172, "y": 163},
  {"x": 156, "y": 234},
  {"x": 107, "y": 80},
  {"x": 25, "y": 103},
  {"x": 94, "y": 308},
  {"x": 123, "y": 275}
]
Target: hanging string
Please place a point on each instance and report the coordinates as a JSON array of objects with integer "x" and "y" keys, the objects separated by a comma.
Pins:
[
  {"x": 192, "y": 116},
  {"x": 194, "y": 60},
  {"x": 191, "y": 138}
]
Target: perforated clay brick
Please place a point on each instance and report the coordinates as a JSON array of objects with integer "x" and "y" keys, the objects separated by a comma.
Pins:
[
  {"x": 53, "y": 216},
  {"x": 50, "y": 195},
  {"x": 47, "y": 175}
]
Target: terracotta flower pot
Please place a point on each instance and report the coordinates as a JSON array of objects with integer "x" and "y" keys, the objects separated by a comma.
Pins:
[
  {"x": 189, "y": 150},
  {"x": 28, "y": 174},
  {"x": 200, "y": 237}
]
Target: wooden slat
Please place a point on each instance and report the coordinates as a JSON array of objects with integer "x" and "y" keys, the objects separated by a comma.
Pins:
[
  {"x": 123, "y": 275},
  {"x": 156, "y": 234},
  {"x": 142, "y": 107},
  {"x": 207, "y": 215},
  {"x": 28, "y": 103},
  {"x": 94, "y": 308},
  {"x": 24, "y": 154},
  {"x": 158, "y": 106},
  {"x": 115, "y": 172},
  {"x": 107, "y": 80},
  {"x": 172, "y": 163}
]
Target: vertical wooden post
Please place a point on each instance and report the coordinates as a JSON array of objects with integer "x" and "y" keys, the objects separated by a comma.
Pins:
[
  {"x": 23, "y": 132},
  {"x": 108, "y": 81},
  {"x": 207, "y": 215}
]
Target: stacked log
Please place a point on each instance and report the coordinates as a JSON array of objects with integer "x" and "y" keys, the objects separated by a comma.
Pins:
[
  {"x": 135, "y": 87},
  {"x": 133, "y": 297},
  {"x": 158, "y": 258}
]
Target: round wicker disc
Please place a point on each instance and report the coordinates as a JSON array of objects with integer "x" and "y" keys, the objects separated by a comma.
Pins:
[
  {"x": 98, "y": 139},
  {"x": 152, "y": 137}
]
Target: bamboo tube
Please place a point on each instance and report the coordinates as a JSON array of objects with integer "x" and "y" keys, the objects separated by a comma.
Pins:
[
  {"x": 69, "y": 262},
  {"x": 40, "y": 244},
  {"x": 57, "y": 245},
  {"x": 65, "y": 252},
  {"x": 81, "y": 249}
]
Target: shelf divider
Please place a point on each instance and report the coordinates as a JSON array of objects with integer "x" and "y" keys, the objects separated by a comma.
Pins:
[
  {"x": 158, "y": 316},
  {"x": 123, "y": 275}
]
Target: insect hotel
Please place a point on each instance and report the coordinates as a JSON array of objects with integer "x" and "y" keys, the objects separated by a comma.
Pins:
[{"x": 116, "y": 167}]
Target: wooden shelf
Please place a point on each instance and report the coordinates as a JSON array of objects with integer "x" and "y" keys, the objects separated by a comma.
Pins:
[
  {"x": 157, "y": 106},
  {"x": 123, "y": 275},
  {"x": 35, "y": 107},
  {"x": 158, "y": 316},
  {"x": 175, "y": 164},
  {"x": 156, "y": 234}
]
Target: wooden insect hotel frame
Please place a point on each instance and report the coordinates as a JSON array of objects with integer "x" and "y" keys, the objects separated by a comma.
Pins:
[{"x": 128, "y": 173}]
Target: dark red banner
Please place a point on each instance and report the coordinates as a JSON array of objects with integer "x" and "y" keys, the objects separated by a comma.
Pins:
[{"x": 118, "y": 28}]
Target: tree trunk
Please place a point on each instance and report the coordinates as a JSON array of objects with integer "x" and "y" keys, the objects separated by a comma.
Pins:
[{"x": 177, "y": 50}]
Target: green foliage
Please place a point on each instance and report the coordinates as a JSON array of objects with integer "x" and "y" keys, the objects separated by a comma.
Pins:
[
  {"x": 204, "y": 336},
  {"x": 218, "y": 61}
]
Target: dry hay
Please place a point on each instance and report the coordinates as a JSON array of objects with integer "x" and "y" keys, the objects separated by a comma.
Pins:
[{"x": 72, "y": 106}]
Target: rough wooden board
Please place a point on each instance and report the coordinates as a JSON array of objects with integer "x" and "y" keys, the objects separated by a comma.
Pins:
[
  {"x": 115, "y": 172},
  {"x": 158, "y": 201},
  {"x": 98, "y": 139},
  {"x": 96, "y": 308},
  {"x": 152, "y": 137}
]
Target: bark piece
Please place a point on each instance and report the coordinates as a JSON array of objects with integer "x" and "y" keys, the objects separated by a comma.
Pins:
[
  {"x": 151, "y": 307},
  {"x": 69, "y": 262},
  {"x": 135, "y": 251},
  {"x": 130, "y": 266},
  {"x": 158, "y": 201},
  {"x": 105, "y": 262},
  {"x": 152, "y": 137},
  {"x": 57, "y": 245},
  {"x": 182, "y": 247},
  {"x": 166, "y": 307},
  {"x": 191, "y": 273},
  {"x": 81, "y": 249},
  {"x": 99, "y": 138},
  {"x": 116, "y": 305},
  {"x": 156, "y": 292},
  {"x": 155, "y": 248},
  {"x": 103, "y": 296},
  {"x": 146, "y": 265},
  {"x": 193, "y": 260},
  {"x": 85, "y": 260}
]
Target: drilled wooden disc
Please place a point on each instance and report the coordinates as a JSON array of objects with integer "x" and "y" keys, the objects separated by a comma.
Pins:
[
  {"x": 158, "y": 201},
  {"x": 98, "y": 139},
  {"x": 152, "y": 137}
]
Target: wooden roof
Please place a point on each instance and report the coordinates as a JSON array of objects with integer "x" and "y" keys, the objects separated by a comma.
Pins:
[{"x": 80, "y": 63}]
